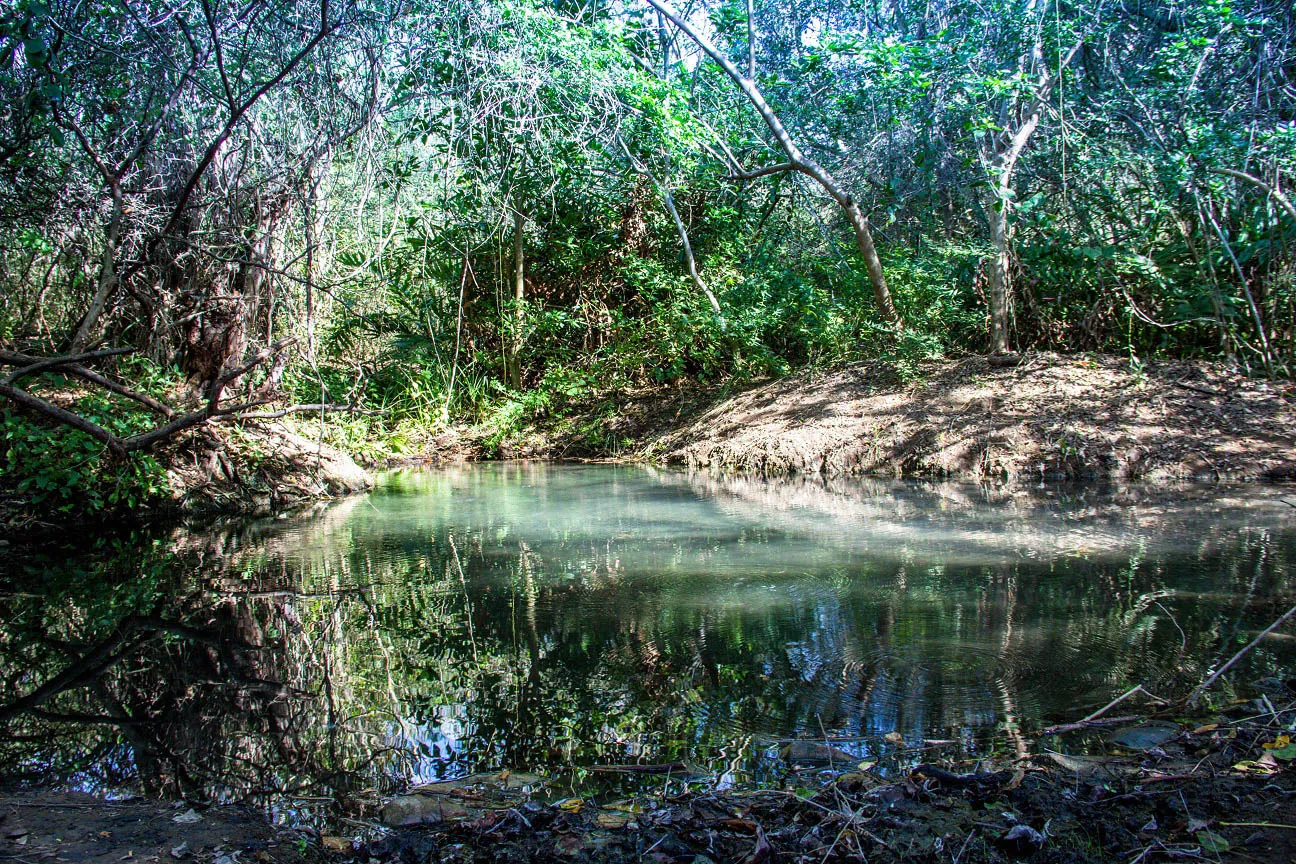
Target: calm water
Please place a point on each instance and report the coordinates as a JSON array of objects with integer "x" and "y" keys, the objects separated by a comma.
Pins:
[{"x": 537, "y": 617}]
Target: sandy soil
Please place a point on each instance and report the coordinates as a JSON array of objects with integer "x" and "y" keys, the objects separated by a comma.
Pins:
[{"x": 1048, "y": 417}]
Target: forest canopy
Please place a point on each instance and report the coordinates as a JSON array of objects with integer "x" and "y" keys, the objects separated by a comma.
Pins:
[{"x": 450, "y": 210}]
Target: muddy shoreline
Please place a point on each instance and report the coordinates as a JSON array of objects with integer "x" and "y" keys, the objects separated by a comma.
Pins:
[{"x": 1181, "y": 785}]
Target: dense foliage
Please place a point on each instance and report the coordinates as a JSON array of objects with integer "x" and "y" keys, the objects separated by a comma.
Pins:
[{"x": 493, "y": 208}]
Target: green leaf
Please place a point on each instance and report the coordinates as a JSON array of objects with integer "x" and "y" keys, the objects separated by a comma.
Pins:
[
  {"x": 1287, "y": 753},
  {"x": 1212, "y": 842}
]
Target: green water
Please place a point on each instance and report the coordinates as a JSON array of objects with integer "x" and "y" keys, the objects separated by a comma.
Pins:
[{"x": 541, "y": 617}]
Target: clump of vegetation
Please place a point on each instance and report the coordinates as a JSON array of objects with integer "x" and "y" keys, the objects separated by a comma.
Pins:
[{"x": 69, "y": 473}]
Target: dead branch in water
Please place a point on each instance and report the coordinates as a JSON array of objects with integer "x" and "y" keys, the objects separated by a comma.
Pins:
[
  {"x": 1201, "y": 688},
  {"x": 1138, "y": 688}
]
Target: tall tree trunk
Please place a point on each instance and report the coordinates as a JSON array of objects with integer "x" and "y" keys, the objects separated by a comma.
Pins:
[
  {"x": 1000, "y": 288},
  {"x": 514, "y": 363},
  {"x": 1000, "y": 160},
  {"x": 797, "y": 161}
]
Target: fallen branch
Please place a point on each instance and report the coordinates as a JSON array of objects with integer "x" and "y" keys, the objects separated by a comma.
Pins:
[
  {"x": 668, "y": 768},
  {"x": 1205, "y": 391},
  {"x": 61, "y": 415},
  {"x": 1086, "y": 724},
  {"x": 38, "y": 365},
  {"x": 69, "y": 367},
  {"x": 1138, "y": 688},
  {"x": 1201, "y": 688}
]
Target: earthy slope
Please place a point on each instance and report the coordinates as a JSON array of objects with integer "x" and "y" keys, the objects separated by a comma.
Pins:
[{"x": 1049, "y": 416}]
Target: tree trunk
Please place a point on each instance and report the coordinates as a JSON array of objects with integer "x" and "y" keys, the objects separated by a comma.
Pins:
[
  {"x": 513, "y": 364},
  {"x": 1000, "y": 288},
  {"x": 1000, "y": 162},
  {"x": 107, "y": 283}
]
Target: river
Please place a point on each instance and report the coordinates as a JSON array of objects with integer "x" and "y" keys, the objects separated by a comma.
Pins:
[{"x": 547, "y": 617}]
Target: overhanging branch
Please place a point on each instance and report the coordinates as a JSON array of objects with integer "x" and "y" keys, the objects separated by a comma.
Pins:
[{"x": 116, "y": 444}]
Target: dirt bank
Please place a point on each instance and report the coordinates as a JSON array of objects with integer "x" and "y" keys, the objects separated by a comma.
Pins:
[
  {"x": 254, "y": 469},
  {"x": 83, "y": 829},
  {"x": 257, "y": 469},
  {"x": 1050, "y": 416}
]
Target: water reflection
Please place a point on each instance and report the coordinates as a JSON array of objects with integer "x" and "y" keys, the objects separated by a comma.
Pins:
[{"x": 530, "y": 616}]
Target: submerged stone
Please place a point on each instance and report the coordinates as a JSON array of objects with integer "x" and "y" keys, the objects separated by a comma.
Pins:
[
  {"x": 410, "y": 810},
  {"x": 817, "y": 751},
  {"x": 1144, "y": 736}
]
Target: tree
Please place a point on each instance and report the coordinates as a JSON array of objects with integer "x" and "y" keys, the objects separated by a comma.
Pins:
[
  {"x": 797, "y": 160},
  {"x": 1020, "y": 111}
]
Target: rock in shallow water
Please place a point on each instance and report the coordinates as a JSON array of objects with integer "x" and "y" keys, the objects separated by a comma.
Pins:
[
  {"x": 815, "y": 751},
  {"x": 420, "y": 810},
  {"x": 1145, "y": 736}
]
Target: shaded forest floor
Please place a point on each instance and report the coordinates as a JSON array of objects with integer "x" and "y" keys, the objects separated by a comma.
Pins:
[
  {"x": 1208, "y": 787},
  {"x": 1050, "y": 416}
]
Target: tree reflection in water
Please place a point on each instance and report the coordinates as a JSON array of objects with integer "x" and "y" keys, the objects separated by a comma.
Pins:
[{"x": 541, "y": 616}]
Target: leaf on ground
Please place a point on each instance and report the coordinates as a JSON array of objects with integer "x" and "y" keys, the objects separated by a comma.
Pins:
[
  {"x": 1286, "y": 754},
  {"x": 614, "y": 820},
  {"x": 1212, "y": 842},
  {"x": 1252, "y": 766}
]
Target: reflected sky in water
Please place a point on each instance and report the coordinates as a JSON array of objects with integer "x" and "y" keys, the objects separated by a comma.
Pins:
[{"x": 535, "y": 616}]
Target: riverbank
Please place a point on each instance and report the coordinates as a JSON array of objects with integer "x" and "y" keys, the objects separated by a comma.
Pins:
[
  {"x": 1212, "y": 786},
  {"x": 1048, "y": 417},
  {"x": 252, "y": 469},
  {"x": 1051, "y": 417}
]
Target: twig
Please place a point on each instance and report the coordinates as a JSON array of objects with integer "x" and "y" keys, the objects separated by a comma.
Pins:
[
  {"x": 1086, "y": 724},
  {"x": 1201, "y": 688},
  {"x": 1137, "y": 688},
  {"x": 668, "y": 768},
  {"x": 303, "y": 409},
  {"x": 1205, "y": 391}
]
